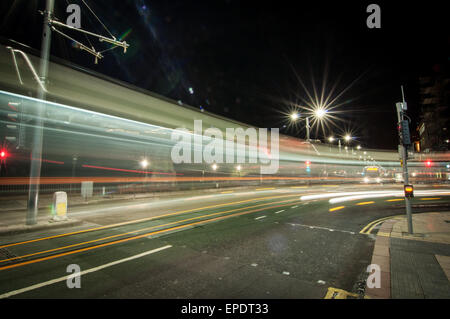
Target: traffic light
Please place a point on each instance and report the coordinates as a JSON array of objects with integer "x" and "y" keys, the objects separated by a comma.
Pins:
[
  {"x": 403, "y": 132},
  {"x": 428, "y": 163},
  {"x": 308, "y": 166},
  {"x": 409, "y": 191},
  {"x": 3, "y": 154}
]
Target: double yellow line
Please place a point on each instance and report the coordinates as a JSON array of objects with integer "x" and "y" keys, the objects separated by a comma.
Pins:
[
  {"x": 139, "y": 236},
  {"x": 142, "y": 220},
  {"x": 369, "y": 227}
]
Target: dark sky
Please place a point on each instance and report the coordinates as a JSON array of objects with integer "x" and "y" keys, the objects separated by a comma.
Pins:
[{"x": 244, "y": 59}]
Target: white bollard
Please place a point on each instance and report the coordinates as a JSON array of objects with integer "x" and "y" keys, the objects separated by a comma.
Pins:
[{"x": 59, "y": 210}]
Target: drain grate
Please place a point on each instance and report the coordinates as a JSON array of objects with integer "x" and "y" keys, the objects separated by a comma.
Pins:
[{"x": 6, "y": 254}]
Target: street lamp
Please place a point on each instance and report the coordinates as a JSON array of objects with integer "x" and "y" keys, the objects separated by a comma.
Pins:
[
  {"x": 214, "y": 166},
  {"x": 318, "y": 113},
  {"x": 347, "y": 138},
  {"x": 144, "y": 163}
]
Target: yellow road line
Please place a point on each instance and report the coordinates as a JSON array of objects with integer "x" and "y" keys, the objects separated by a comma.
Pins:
[
  {"x": 299, "y": 186},
  {"x": 266, "y": 188},
  {"x": 336, "y": 208},
  {"x": 369, "y": 227},
  {"x": 335, "y": 293},
  {"x": 365, "y": 203},
  {"x": 128, "y": 239},
  {"x": 330, "y": 185},
  {"x": 227, "y": 192},
  {"x": 395, "y": 200},
  {"x": 430, "y": 198},
  {"x": 142, "y": 220},
  {"x": 141, "y": 230}
]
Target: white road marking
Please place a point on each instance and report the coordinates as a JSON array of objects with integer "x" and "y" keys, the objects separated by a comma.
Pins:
[
  {"x": 294, "y": 206},
  {"x": 323, "y": 228},
  {"x": 280, "y": 211},
  {"x": 260, "y": 217},
  {"x": 64, "y": 278}
]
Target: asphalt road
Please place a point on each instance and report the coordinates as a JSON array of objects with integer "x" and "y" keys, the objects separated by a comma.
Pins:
[{"x": 260, "y": 243}]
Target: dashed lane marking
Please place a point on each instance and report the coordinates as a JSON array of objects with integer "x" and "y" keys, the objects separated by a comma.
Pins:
[
  {"x": 336, "y": 208},
  {"x": 365, "y": 203}
]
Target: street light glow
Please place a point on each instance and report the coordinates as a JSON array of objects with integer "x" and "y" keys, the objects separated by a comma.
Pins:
[
  {"x": 320, "y": 113},
  {"x": 294, "y": 116},
  {"x": 347, "y": 137},
  {"x": 214, "y": 166},
  {"x": 331, "y": 139},
  {"x": 144, "y": 163}
]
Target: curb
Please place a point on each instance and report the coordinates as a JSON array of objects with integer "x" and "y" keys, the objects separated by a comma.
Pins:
[
  {"x": 20, "y": 229},
  {"x": 381, "y": 257}
]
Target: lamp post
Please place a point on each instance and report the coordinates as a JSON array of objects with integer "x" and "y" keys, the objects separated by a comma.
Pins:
[{"x": 318, "y": 113}]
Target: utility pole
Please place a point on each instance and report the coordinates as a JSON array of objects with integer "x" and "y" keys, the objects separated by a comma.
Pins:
[
  {"x": 405, "y": 141},
  {"x": 51, "y": 24},
  {"x": 307, "y": 129},
  {"x": 36, "y": 151}
]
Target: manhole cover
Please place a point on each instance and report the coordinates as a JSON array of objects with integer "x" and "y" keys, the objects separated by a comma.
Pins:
[{"x": 6, "y": 254}]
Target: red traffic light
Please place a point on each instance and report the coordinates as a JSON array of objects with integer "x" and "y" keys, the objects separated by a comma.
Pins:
[
  {"x": 3, "y": 154},
  {"x": 308, "y": 162},
  {"x": 428, "y": 163}
]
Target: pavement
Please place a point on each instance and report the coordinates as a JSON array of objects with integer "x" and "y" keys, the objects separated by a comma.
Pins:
[{"x": 413, "y": 266}]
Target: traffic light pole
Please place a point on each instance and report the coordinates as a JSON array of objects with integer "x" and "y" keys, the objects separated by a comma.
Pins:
[
  {"x": 405, "y": 141},
  {"x": 36, "y": 151},
  {"x": 406, "y": 182}
]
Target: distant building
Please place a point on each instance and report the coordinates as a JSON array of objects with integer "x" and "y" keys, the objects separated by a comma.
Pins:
[{"x": 433, "y": 129}]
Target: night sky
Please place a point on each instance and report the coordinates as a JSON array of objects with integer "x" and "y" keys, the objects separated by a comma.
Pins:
[{"x": 246, "y": 59}]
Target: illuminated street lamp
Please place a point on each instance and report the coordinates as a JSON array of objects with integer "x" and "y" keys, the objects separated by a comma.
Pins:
[
  {"x": 347, "y": 138},
  {"x": 214, "y": 166},
  {"x": 144, "y": 163},
  {"x": 294, "y": 116},
  {"x": 331, "y": 139},
  {"x": 318, "y": 113},
  {"x": 358, "y": 147}
]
